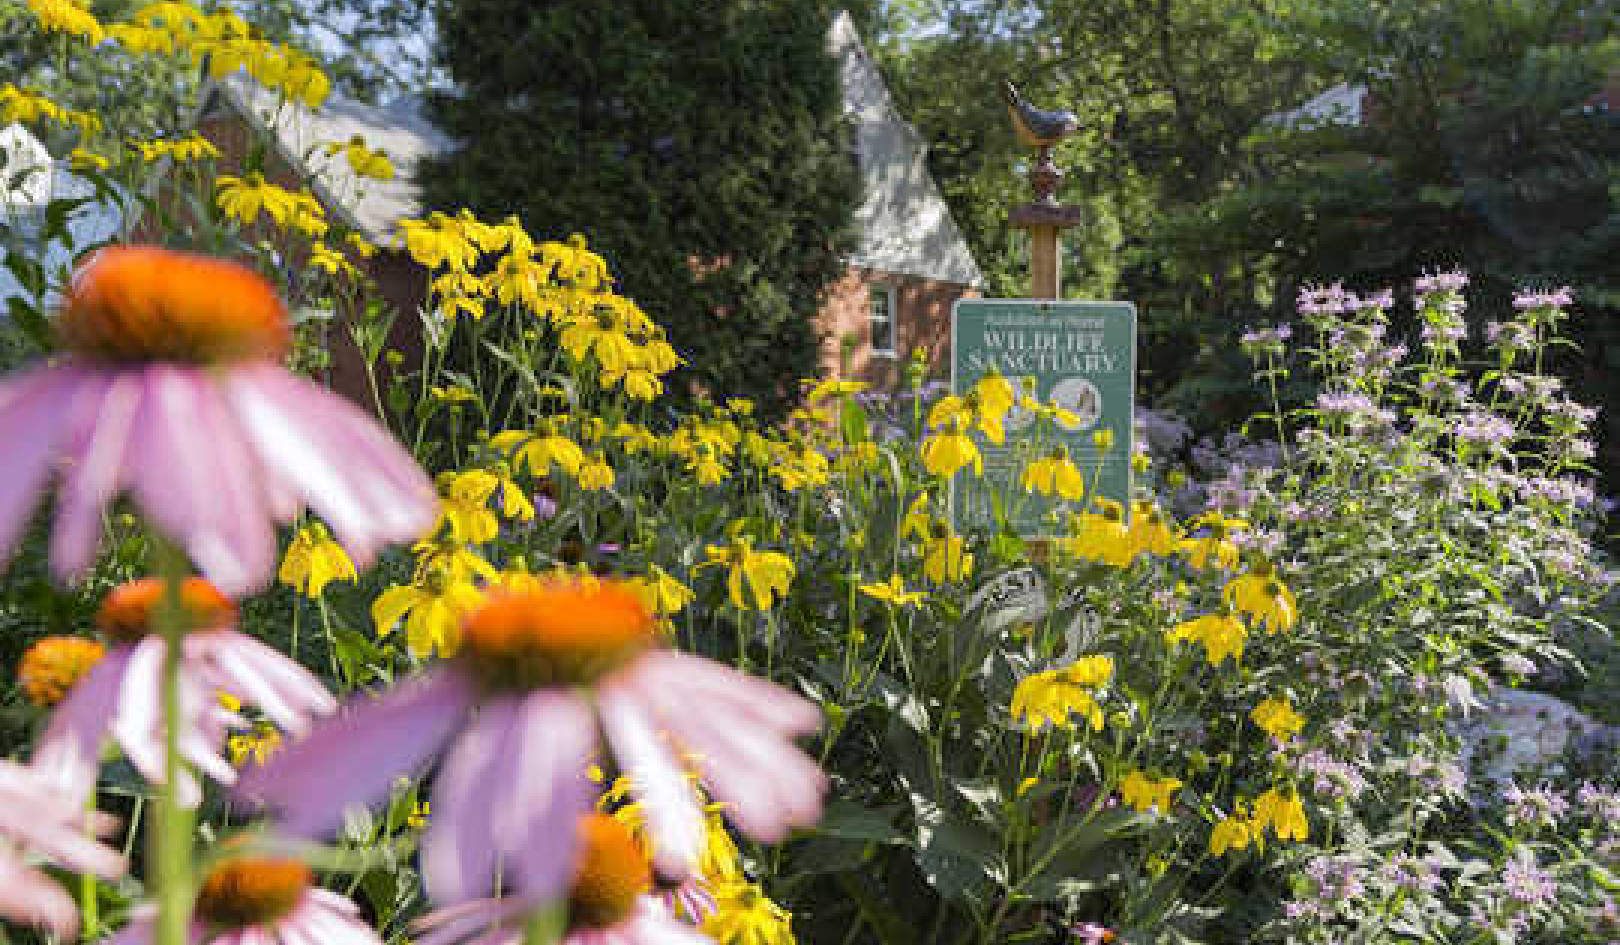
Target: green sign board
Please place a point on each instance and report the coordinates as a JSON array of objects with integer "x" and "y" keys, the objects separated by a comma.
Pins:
[{"x": 1080, "y": 356}]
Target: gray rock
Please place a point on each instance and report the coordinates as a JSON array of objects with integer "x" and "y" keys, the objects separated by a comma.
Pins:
[{"x": 1517, "y": 731}]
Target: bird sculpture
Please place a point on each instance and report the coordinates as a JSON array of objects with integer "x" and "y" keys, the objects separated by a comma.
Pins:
[{"x": 1037, "y": 127}]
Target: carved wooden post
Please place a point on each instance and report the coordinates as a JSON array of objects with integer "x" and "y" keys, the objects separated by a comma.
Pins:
[{"x": 1045, "y": 218}]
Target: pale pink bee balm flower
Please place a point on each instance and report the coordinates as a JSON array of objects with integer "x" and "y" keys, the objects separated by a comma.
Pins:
[
  {"x": 172, "y": 390},
  {"x": 260, "y": 901},
  {"x": 36, "y": 819},
  {"x": 121, "y": 695},
  {"x": 542, "y": 676}
]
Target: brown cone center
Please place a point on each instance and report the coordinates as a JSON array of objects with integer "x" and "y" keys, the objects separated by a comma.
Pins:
[
  {"x": 251, "y": 892},
  {"x": 127, "y": 613},
  {"x": 561, "y": 632},
  {"x": 145, "y": 303},
  {"x": 613, "y": 872}
]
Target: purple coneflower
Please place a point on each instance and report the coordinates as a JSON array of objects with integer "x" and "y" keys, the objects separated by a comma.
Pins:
[
  {"x": 547, "y": 669},
  {"x": 1091, "y": 933},
  {"x": 172, "y": 390},
  {"x": 35, "y": 818},
  {"x": 260, "y": 901},
  {"x": 609, "y": 901},
  {"x": 122, "y": 693}
]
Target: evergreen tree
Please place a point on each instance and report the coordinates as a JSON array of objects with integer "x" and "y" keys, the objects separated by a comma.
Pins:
[{"x": 698, "y": 146}]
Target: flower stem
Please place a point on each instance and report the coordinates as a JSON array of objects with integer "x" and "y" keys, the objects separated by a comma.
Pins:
[
  {"x": 89, "y": 889},
  {"x": 171, "y": 836},
  {"x": 546, "y": 926}
]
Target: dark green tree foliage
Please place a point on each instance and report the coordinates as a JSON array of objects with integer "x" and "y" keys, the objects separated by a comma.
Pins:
[
  {"x": 700, "y": 147},
  {"x": 1488, "y": 142}
]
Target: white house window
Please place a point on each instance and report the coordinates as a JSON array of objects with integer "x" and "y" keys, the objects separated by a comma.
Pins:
[{"x": 880, "y": 318}]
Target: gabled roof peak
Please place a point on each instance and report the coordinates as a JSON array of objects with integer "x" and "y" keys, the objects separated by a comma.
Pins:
[{"x": 906, "y": 227}]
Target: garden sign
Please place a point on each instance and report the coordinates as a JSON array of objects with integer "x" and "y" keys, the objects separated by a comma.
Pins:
[{"x": 1080, "y": 356}]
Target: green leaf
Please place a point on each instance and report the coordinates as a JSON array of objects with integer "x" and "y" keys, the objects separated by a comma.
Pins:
[
  {"x": 961, "y": 861},
  {"x": 890, "y": 926},
  {"x": 828, "y": 855},
  {"x": 852, "y": 422},
  {"x": 360, "y": 657},
  {"x": 852, "y": 821}
]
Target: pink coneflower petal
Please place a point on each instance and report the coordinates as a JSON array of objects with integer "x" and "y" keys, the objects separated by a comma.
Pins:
[
  {"x": 648, "y": 926},
  {"x": 68, "y": 755},
  {"x": 457, "y": 922},
  {"x": 195, "y": 477},
  {"x": 458, "y": 855},
  {"x": 765, "y": 702},
  {"x": 46, "y": 822},
  {"x": 36, "y": 818},
  {"x": 98, "y": 436},
  {"x": 556, "y": 739},
  {"x": 516, "y": 775},
  {"x": 674, "y": 821},
  {"x": 289, "y": 694},
  {"x": 769, "y": 785},
  {"x": 139, "y": 928},
  {"x": 357, "y": 755},
  {"x": 33, "y": 410},
  {"x": 28, "y": 895},
  {"x": 320, "y": 917},
  {"x": 332, "y": 456},
  {"x": 336, "y": 921},
  {"x": 693, "y": 900},
  {"x": 138, "y": 723},
  {"x": 500, "y": 922}
]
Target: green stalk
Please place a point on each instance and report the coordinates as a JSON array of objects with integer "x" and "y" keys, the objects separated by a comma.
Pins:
[
  {"x": 173, "y": 825},
  {"x": 89, "y": 904},
  {"x": 546, "y": 926}
]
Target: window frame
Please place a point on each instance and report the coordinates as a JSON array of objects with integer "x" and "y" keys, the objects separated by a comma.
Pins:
[{"x": 887, "y": 292}]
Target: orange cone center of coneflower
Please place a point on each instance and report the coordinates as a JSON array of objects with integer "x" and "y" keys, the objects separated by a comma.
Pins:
[
  {"x": 613, "y": 871},
  {"x": 127, "y": 613},
  {"x": 52, "y": 665},
  {"x": 560, "y": 633},
  {"x": 251, "y": 891},
  {"x": 144, "y": 303}
]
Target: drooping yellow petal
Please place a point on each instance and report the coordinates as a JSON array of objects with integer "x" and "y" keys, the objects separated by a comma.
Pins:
[{"x": 391, "y": 605}]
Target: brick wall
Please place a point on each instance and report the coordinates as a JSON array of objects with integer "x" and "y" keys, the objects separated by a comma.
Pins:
[
  {"x": 922, "y": 319},
  {"x": 921, "y": 307},
  {"x": 396, "y": 279}
]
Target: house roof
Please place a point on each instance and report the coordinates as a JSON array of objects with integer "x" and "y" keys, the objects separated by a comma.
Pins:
[
  {"x": 1343, "y": 104},
  {"x": 906, "y": 227},
  {"x": 300, "y": 134}
]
